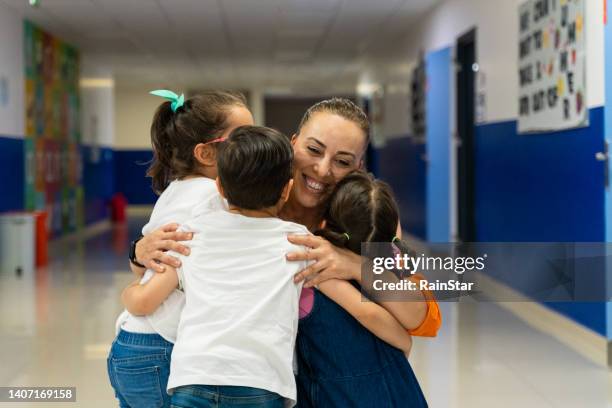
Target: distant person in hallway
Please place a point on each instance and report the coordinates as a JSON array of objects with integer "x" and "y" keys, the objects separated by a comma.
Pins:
[
  {"x": 330, "y": 143},
  {"x": 184, "y": 136}
]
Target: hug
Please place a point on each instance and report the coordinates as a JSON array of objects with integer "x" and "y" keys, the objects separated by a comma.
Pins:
[{"x": 247, "y": 290}]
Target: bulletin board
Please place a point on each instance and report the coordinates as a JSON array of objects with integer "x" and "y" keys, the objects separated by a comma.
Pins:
[
  {"x": 52, "y": 148},
  {"x": 552, "y": 61}
]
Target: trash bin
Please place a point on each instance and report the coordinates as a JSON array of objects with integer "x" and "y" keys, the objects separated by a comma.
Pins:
[{"x": 17, "y": 243}]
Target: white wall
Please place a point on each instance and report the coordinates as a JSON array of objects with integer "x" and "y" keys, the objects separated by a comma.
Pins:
[
  {"x": 497, "y": 48},
  {"x": 98, "y": 114},
  {"x": 12, "y": 98},
  {"x": 134, "y": 110},
  {"x": 257, "y": 105}
]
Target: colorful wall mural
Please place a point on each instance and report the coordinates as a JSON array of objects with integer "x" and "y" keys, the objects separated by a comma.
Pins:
[{"x": 53, "y": 165}]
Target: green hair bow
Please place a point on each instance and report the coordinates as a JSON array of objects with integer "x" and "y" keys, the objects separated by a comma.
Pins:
[{"x": 177, "y": 101}]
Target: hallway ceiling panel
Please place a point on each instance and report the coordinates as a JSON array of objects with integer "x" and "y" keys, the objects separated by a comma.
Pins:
[{"x": 271, "y": 43}]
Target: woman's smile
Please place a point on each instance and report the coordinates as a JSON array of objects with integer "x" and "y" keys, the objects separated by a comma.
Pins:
[{"x": 314, "y": 186}]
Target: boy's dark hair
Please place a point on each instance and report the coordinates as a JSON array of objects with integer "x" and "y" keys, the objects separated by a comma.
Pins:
[
  {"x": 174, "y": 135},
  {"x": 360, "y": 209},
  {"x": 254, "y": 166}
]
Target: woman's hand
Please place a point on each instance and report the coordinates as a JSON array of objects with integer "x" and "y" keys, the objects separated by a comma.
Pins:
[
  {"x": 330, "y": 262},
  {"x": 151, "y": 249}
]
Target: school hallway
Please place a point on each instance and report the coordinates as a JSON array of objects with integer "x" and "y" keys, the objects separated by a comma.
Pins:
[
  {"x": 58, "y": 325},
  {"x": 490, "y": 121}
]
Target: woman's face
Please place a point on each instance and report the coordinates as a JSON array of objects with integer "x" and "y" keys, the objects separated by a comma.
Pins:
[{"x": 327, "y": 148}]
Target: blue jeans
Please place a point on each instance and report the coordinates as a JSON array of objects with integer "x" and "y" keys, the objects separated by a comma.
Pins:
[
  {"x": 212, "y": 396},
  {"x": 138, "y": 369}
]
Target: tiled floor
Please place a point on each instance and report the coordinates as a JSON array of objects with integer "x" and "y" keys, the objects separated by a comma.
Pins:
[{"x": 57, "y": 325}]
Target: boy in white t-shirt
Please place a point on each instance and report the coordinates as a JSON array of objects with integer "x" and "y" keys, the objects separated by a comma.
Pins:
[{"x": 237, "y": 332}]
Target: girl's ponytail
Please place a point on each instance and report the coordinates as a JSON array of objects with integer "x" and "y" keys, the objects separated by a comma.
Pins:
[
  {"x": 176, "y": 132},
  {"x": 160, "y": 169},
  {"x": 403, "y": 247}
]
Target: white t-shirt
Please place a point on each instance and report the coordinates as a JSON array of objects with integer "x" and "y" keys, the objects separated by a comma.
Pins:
[
  {"x": 180, "y": 201},
  {"x": 240, "y": 320}
]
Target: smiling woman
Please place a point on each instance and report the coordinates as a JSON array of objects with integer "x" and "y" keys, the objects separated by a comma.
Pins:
[{"x": 330, "y": 143}]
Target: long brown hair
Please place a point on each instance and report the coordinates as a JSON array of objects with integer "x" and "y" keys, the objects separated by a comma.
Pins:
[{"x": 174, "y": 135}]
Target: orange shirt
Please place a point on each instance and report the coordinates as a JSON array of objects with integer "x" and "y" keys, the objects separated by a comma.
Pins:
[{"x": 433, "y": 319}]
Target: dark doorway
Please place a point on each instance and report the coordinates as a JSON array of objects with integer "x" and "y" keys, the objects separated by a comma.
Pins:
[{"x": 466, "y": 58}]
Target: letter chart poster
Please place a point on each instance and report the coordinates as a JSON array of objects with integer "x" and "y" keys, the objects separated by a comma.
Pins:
[{"x": 552, "y": 65}]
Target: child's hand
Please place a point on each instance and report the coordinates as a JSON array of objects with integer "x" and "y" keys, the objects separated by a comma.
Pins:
[
  {"x": 151, "y": 249},
  {"x": 330, "y": 262}
]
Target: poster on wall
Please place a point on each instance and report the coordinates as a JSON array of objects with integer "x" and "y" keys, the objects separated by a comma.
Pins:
[
  {"x": 53, "y": 134},
  {"x": 551, "y": 69}
]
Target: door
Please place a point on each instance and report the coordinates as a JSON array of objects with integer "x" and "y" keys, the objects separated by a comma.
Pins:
[
  {"x": 466, "y": 217},
  {"x": 439, "y": 113},
  {"x": 608, "y": 193}
]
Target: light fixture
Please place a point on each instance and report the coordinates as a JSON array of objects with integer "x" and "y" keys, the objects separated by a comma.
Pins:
[
  {"x": 97, "y": 83},
  {"x": 34, "y": 3}
]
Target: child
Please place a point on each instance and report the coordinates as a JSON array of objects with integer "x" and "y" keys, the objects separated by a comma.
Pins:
[
  {"x": 360, "y": 367},
  {"x": 183, "y": 137}
]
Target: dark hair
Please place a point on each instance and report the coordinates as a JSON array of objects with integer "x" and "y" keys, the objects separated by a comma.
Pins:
[
  {"x": 342, "y": 107},
  {"x": 361, "y": 209},
  {"x": 254, "y": 166},
  {"x": 174, "y": 135}
]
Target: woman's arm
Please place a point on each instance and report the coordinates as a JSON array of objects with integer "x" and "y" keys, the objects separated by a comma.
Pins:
[
  {"x": 151, "y": 249},
  {"x": 143, "y": 299},
  {"x": 332, "y": 262},
  {"x": 372, "y": 316}
]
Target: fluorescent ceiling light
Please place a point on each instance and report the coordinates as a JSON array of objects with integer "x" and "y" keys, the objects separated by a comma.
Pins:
[{"x": 97, "y": 83}]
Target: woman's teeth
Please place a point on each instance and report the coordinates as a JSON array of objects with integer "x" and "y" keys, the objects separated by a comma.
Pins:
[{"x": 314, "y": 185}]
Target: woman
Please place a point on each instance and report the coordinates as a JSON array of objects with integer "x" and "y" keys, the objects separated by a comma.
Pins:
[{"x": 330, "y": 143}]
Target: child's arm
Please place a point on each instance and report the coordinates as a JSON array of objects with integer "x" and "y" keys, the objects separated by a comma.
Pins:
[
  {"x": 372, "y": 316},
  {"x": 143, "y": 299},
  {"x": 137, "y": 270}
]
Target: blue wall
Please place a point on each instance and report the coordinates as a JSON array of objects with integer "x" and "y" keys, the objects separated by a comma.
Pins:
[
  {"x": 543, "y": 187},
  {"x": 115, "y": 171},
  {"x": 104, "y": 172},
  {"x": 401, "y": 164},
  {"x": 98, "y": 182},
  {"x": 529, "y": 188},
  {"x": 130, "y": 176},
  {"x": 12, "y": 167}
]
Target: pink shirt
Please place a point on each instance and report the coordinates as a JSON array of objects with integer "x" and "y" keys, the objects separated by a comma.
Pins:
[{"x": 306, "y": 302}]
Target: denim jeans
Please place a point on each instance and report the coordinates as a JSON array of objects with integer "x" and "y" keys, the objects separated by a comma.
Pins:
[
  {"x": 138, "y": 369},
  {"x": 211, "y": 396}
]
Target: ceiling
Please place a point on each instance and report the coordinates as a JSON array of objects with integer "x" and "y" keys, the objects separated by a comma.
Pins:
[{"x": 270, "y": 44}]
